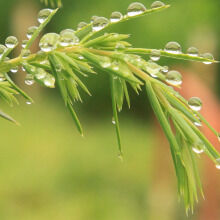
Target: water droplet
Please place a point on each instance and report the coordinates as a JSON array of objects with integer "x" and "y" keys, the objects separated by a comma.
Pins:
[
  {"x": 105, "y": 62},
  {"x": 193, "y": 51},
  {"x": 28, "y": 102},
  {"x": 173, "y": 47},
  {"x": 198, "y": 124},
  {"x": 11, "y": 42},
  {"x": 195, "y": 103},
  {"x": 24, "y": 43},
  {"x": 31, "y": 31},
  {"x": 49, "y": 42},
  {"x": 153, "y": 68},
  {"x": 44, "y": 14},
  {"x": 81, "y": 57},
  {"x": 218, "y": 163},
  {"x": 120, "y": 46},
  {"x": 207, "y": 56},
  {"x": 116, "y": 16},
  {"x": 198, "y": 148},
  {"x": 29, "y": 79},
  {"x": 2, "y": 77},
  {"x": 25, "y": 53},
  {"x": 68, "y": 38},
  {"x": 115, "y": 65},
  {"x": 135, "y": 8},
  {"x": 2, "y": 50},
  {"x": 49, "y": 81},
  {"x": 174, "y": 78},
  {"x": 14, "y": 69},
  {"x": 155, "y": 55},
  {"x": 113, "y": 121},
  {"x": 81, "y": 25},
  {"x": 99, "y": 23},
  {"x": 219, "y": 137},
  {"x": 41, "y": 73},
  {"x": 165, "y": 69},
  {"x": 93, "y": 18},
  {"x": 157, "y": 4}
]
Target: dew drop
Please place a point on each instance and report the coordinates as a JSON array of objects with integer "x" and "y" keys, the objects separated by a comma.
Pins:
[
  {"x": 218, "y": 163},
  {"x": 93, "y": 18},
  {"x": 24, "y": 43},
  {"x": 113, "y": 121},
  {"x": 14, "y": 69},
  {"x": 28, "y": 102},
  {"x": 99, "y": 23},
  {"x": 174, "y": 78},
  {"x": 219, "y": 137},
  {"x": 157, "y": 4},
  {"x": 193, "y": 51},
  {"x": 29, "y": 79},
  {"x": 11, "y": 42},
  {"x": 195, "y": 103},
  {"x": 25, "y": 53},
  {"x": 106, "y": 62},
  {"x": 135, "y": 8},
  {"x": 153, "y": 69},
  {"x": 2, "y": 77},
  {"x": 155, "y": 55},
  {"x": 198, "y": 148},
  {"x": 207, "y": 56},
  {"x": 173, "y": 47},
  {"x": 165, "y": 69},
  {"x": 116, "y": 16},
  {"x": 198, "y": 124},
  {"x": 49, "y": 42},
  {"x": 115, "y": 65},
  {"x": 31, "y": 31},
  {"x": 68, "y": 38},
  {"x": 49, "y": 81},
  {"x": 41, "y": 73},
  {"x": 44, "y": 14},
  {"x": 2, "y": 50},
  {"x": 82, "y": 24}
]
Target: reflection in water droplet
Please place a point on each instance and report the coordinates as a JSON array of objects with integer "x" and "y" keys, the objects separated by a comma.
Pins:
[
  {"x": 41, "y": 73},
  {"x": 157, "y": 4},
  {"x": 198, "y": 148},
  {"x": 28, "y": 102},
  {"x": 44, "y": 14},
  {"x": 49, "y": 42},
  {"x": 81, "y": 25},
  {"x": 155, "y": 55},
  {"x": 99, "y": 23},
  {"x": 29, "y": 79},
  {"x": 14, "y": 69},
  {"x": 174, "y": 78},
  {"x": 207, "y": 56},
  {"x": 25, "y": 53},
  {"x": 49, "y": 81},
  {"x": 195, "y": 103},
  {"x": 106, "y": 62},
  {"x": 173, "y": 47},
  {"x": 116, "y": 16},
  {"x": 135, "y": 8},
  {"x": 113, "y": 121},
  {"x": 165, "y": 69},
  {"x": 11, "y": 42},
  {"x": 24, "y": 43},
  {"x": 68, "y": 38},
  {"x": 31, "y": 31},
  {"x": 193, "y": 51},
  {"x": 2, "y": 50}
]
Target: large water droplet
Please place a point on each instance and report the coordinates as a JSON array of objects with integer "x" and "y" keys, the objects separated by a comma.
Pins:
[
  {"x": 135, "y": 8},
  {"x": 41, "y": 73},
  {"x": 25, "y": 53},
  {"x": 24, "y": 43},
  {"x": 29, "y": 79},
  {"x": 14, "y": 69},
  {"x": 174, "y": 78},
  {"x": 157, "y": 4},
  {"x": 99, "y": 23},
  {"x": 207, "y": 56},
  {"x": 116, "y": 16},
  {"x": 198, "y": 148},
  {"x": 173, "y": 47},
  {"x": 31, "y": 31},
  {"x": 81, "y": 25},
  {"x": 193, "y": 51},
  {"x": 68, "y": 38},
  {"x": 2, "y": 50},
  {"x": 155, "y": 55},
  {"x": 11, "y": 42},
  {"x": 218, "y": 163},
  {"x": 44, "y": 14},
  {"x": 195, "y": 103},
  {"x": 49, "y": 42},
  {"x": 49, "y": 81}
]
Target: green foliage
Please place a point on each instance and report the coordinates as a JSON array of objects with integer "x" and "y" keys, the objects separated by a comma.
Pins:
[
  {"x": 52, "y": 3},
  {"x": 66, "y": 59}
]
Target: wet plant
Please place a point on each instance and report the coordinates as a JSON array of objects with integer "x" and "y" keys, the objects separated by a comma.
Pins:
[{"x": 66, "y": 58}]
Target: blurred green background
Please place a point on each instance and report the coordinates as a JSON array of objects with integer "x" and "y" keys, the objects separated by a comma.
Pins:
[{"x": 48, "y": 171}]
